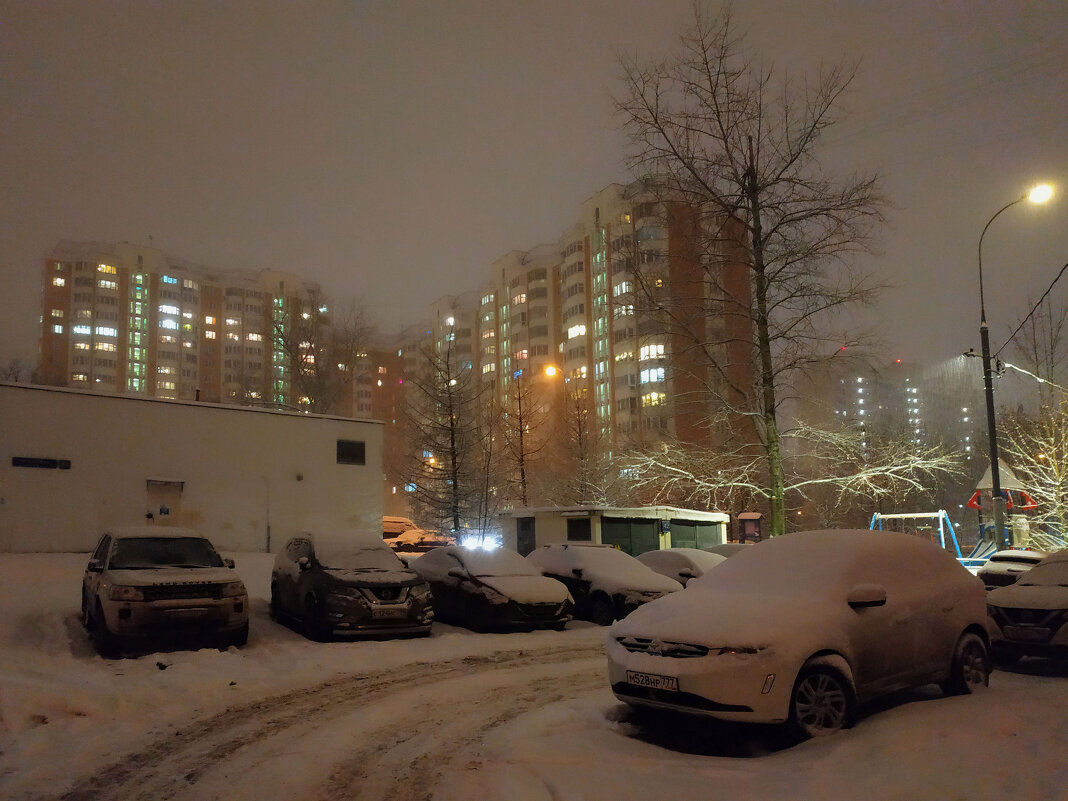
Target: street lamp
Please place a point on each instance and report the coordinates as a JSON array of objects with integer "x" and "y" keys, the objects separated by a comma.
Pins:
[{"x": 1040, "y": 194}]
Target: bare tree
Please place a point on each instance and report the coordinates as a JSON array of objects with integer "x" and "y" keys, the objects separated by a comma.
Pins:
[
  {"x": 17, "y": 370},
  {"x": 524, "y": 430},
  {"x": 583, "y": 474},
  {"x": 721, "y": 135},
  {"x": 1038, "y": 448},
  {"x": 447, "y": 440},
  {"x": 1041, "y": 344},
  {"x": 322, "y": 352},
  {"x": 833, "y": 471}
]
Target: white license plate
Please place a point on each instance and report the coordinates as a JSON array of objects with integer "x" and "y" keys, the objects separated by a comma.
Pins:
[
  {"x": 653, "y": 681},
  {"x": 389, "y": 612}
]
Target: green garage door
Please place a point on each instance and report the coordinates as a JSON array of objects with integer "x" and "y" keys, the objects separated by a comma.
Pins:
[{"x": 631, "y": 535}]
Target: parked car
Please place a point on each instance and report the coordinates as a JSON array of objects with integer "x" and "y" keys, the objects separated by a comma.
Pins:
[
  {"x": 331, "y": 588},
  {"x": 154, "y": 582},
  {"x": 681, "y": 564},
  {"x": 416, "y": 540},
  {"x": 495, "y": 589},
  {"x": 1031, "y": 616},
  {"x": 730, "y": 548},
  {"x": 1005, "y": 567},
  {"x": 606, "y": 583},
  {"x": 802, "y": 628}
]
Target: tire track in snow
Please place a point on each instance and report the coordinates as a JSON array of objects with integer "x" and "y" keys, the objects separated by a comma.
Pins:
[{"x": 387, "y": 735}]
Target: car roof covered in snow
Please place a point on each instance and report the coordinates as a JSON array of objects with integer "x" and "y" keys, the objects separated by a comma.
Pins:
[{"x": 126, "y": 532}]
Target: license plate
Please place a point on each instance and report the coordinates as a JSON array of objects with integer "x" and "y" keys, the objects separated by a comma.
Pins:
[
  {"x": 389, "y": 612},
  {"x": 653, "y": 681},
  {"x": 1027, "y": 633}
]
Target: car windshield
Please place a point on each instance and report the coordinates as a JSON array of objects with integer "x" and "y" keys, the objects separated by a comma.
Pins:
[
  {"x": 363, "y": 559},
  {"x": 1051, "y": 574},
  {"x": 142, "y": 553},
  {"x": 498, "y": 562}
]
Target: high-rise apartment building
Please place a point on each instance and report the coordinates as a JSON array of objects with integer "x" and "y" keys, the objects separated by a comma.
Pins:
[{"x": 129, "y": 319}]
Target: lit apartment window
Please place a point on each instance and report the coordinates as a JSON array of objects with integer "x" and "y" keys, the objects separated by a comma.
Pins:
[
  {"x": 188, "y": 284},
  {"x": 106, "y": 332},
  {"x": 209, "y": 320},
  {"x": 79, "y": 377},
  {"x": 255, "y": 337},
  {"x": 209, "y": 335},
  {"x": 57, "y": 329},
  {"x": 652, "y": 375},
  {"x": 170, "y": 325},
  {"x": 576, "y": 331},
  {"x": 651, "y": 352},
  {"x": 168, "y": 310},
  {"x": 187, "y": 315},
  {"x": 489, "y": 368},
  {"x": 165, "y": 384},
  {"x": 621, "y": 288},
  {"x": 519, "y": 298},
  {"x": 654, "y": 399},
  {"x": 106, "y": 268},
  {"x": 103, "y": 283},
  {"x": 450, "y": 321},
  {"x": 167, "y": 279},
  {"x": 82, "y": 329},
  {"x": 106, "y": 346},
  {"x": 57, "y": 313},
  {"x": 59, "y": 281},
  {"x": 81, "y": 346}
]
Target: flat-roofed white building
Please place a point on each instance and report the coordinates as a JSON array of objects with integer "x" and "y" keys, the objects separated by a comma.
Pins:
[{"x": 73, "y": 463}]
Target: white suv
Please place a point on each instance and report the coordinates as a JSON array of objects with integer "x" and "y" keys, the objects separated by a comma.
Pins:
[{"x": 149, "y": 582}]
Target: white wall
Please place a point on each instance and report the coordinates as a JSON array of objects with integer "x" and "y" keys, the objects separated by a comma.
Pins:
[{"x": 241, "y": 469}]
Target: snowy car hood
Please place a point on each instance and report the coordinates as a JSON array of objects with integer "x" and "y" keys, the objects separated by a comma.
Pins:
[
  {"x": 528, "y": 589},
  {"x": 720, "y": 619},
  {"x": 1029, "y": 596},
  {"x": 172, "y": 575},
  {"x": 372, "y": 578}
]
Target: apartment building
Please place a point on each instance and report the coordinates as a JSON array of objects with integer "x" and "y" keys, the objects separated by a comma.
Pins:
[
  {"x": 128, "y": 319},
  {"x": 574, "y": 309}
]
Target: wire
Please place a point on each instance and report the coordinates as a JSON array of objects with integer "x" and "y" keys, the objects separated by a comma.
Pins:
[{"x": 1031, "y": 313}]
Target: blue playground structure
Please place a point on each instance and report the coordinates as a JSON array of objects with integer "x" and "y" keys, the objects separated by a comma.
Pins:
[{"x": 943, "y": 525}]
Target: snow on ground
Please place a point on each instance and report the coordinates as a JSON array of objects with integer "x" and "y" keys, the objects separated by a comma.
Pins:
[{"x": 65, "y": 713}]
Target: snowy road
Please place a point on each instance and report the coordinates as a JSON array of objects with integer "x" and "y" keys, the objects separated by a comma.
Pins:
[
  {"x": 383, "y": 736},
  {"x": 454, "y": 717}
]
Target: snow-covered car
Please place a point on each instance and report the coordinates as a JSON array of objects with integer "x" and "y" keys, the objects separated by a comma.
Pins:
[
  {"x": 496, "y": 589},
  {"x": 416, "y": 540},
  {"x": 802, "y": 628},
  {"x": 1005, "y": 567},
  {"x": 340, "y": 587},
  {"x": 153, "y": 582},
  {"x": 1031, "y": 616},
  {"x": 681, "y": 564},
  {"x": 606, "y": 583},
  {"x": 729, "y": 548}
]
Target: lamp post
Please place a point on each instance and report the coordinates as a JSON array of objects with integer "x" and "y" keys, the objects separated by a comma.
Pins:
[{"x": 1040, "y": 194}]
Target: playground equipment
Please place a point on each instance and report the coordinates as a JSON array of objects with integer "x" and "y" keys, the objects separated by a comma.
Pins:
[{"x": 942, "y": 525}]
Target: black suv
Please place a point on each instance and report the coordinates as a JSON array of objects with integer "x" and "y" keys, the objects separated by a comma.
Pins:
[{"x": 331, "y": 587}]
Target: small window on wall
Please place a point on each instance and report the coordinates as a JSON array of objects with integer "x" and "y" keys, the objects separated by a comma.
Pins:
[{"x": 350, "y": 451}]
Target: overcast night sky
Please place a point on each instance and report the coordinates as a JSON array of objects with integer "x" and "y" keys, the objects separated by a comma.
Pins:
[{"x": 392, "y": 151}]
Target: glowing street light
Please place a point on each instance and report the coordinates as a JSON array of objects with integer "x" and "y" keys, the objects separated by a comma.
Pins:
[{"x": 1039, "y": 194}]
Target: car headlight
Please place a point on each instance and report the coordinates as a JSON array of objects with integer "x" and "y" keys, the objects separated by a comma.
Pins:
[
  {"x": 120, "y": 592},
  {"x": 419, "y": 592},
  {"x": 232, "y": 589}
]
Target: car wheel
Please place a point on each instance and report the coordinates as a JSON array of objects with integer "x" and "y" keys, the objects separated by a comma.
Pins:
[
  {"x": 970, "y": 669},
  {"x": 822, "y": 702},
  {"x": 315, "y": 625},
  {"x": 107, "y": 644},
  {"x": 87, "y": 621},
  {"x": 601, "y": 610}
]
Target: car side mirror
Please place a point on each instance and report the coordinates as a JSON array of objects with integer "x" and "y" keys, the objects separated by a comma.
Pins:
[
  {"x": 229, "y": 563},
  {"x": 304, "y": 563},
  {"x": 95, "y": 566},
  {"x": 865, "y": 595}
]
